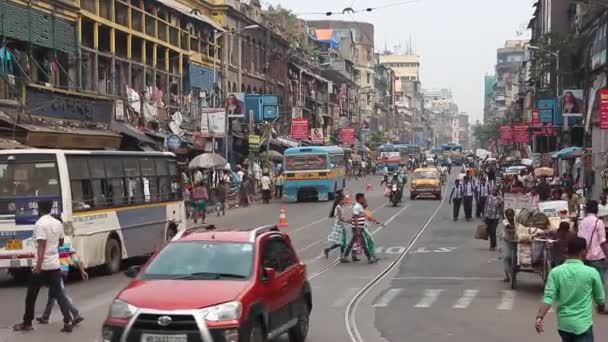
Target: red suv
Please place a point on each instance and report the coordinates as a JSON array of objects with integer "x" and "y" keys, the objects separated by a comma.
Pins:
[{"x": 209, "y": 285}]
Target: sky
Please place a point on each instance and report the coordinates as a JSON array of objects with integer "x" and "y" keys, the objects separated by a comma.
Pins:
[{"x": 455, "y": 39}]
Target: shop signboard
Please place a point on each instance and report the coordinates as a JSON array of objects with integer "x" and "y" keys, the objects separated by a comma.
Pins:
[
  {"x": 299, "y": 129},
  {"x": 546, "y": 110},
  {"x": 254, "y": 142},
  {"x": 173, "y": 142},
  {"x": 520, "y": 133},
  {"x": 535, "y": 120},
  {"x": 604, "y": 108},
  {"x": 506, "y": 134},
  {"x": 348, "y": 135},
  {"x": 56, "y": 105}
]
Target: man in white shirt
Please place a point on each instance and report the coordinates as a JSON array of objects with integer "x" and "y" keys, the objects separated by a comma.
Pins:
[
  {"x": 48, "y": 232},
  {"x": 266, "y": 183}
]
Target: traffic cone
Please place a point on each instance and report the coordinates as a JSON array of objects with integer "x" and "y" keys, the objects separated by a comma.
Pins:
[
  {"x": 369, "y": 187},
  {"x": 347, "y": 198},
  {"x": 283, "y": 219}
]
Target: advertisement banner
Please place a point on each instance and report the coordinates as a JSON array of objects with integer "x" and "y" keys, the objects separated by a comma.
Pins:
[
  {"x": 604, "y": 108},
  {"x": 316, "y": 135},
  {"x": 235, "y": 105},
  {"x": 535, "y": 120},
  {"x": 390, "y": 157},
  {"x": 520, "y": 133},
  {"x": 506, "y": 133},
  {"x": 213, "y": 122},
  {"x": 517, "y": 201},
  {"x": 572, "y": 107},
  {"x": 348, "y": 135},
  {"x": 299, "y": 129}
]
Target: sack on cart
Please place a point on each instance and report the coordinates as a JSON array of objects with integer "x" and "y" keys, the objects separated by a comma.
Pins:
[
  {"x": 481, "y": 232},
  {"x": 538, "y": 248}
]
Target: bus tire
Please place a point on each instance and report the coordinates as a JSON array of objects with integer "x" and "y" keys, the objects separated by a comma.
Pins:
[{"x": 113, "y": 256}]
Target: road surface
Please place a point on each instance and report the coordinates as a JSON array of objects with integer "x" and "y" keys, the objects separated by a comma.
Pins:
[{"x": 447, "y": 287}]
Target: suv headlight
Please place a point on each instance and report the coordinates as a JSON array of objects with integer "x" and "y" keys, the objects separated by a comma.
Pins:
[
  {"x": 121, "y": 309},
  {"x": 223, "y": 312}
]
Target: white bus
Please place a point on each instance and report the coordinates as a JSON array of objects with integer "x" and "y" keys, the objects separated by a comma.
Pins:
[{"x": 114, "y": 205}]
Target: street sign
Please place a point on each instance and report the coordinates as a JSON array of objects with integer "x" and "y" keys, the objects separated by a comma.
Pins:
[{"x": 254, "y": 142}]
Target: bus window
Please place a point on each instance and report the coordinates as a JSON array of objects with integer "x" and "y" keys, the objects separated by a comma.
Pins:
[
  {"x": 135, "y": 190},
  {"x": 306, "y": 162},
  {"x": 148, "y": 173},
  {"x": 115, "y": 182},
  {"x": 80, "y": 182},
  {"x": 164, "y": 181}
]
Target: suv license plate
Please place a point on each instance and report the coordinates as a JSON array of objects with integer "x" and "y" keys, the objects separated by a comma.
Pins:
[
  {"x": 12, "y": 245},
  {"x": 163, "y": 338}
]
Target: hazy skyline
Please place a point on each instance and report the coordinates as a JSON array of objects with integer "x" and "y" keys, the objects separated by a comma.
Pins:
[{"x": 456, "y": 40}]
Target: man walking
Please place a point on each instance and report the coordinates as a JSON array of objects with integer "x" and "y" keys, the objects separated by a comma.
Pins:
[
  {"x": 467, "y": 200},
  {"x": 593, "y": 231},
  {"x": 358, "y": 223},
  {"x": 456, "y": 198},
  {"x": 575, "y": 286},
  {"x": 48, "y": 232},
  {"x": 266, "y": 183},
  {"x": 483, "y": 191}
]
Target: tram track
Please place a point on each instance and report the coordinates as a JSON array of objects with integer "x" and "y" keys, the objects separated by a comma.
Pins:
[{"x": 352, "y": 307}]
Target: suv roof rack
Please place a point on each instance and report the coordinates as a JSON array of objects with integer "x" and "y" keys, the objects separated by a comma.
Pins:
[
  {"x": 195, "y": 229},
  {"x": 261, "y": 230}
]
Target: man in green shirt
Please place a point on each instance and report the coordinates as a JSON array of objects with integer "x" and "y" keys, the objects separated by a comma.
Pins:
[{"x": 575, "y": 286}]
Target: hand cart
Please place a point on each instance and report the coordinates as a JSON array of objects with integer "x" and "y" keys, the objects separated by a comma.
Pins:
[{"x": 542, "y": 259}]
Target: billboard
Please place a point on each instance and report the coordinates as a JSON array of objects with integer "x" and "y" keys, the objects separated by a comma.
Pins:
[
  {"x": 506, "y": 134},
  {"x": 546, "y": 110},
  {"x": 572, "y": 104},
  {"x": 604, "y": 108},
  {"x": 520, "y": 133},
  {"x": 213, "y": 122},
  {"x": 235, "y": 105},
  {"x": 316, "y": 135}
]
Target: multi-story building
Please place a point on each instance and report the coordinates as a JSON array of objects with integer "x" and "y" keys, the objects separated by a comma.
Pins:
[
  {"x": 506, "y": 89},
  {"x": 407, "y": 83},
  {"x": 488, "y": 96},
  {"x": 383, "y": 117},
  {"x": 464, "y": 132},
  {"x": 444, "y": 115}
]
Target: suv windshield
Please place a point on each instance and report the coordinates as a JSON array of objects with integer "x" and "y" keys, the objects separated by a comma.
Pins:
[
  {"x": 201, "y": 260},
  {"x": 425, "y": 175}
]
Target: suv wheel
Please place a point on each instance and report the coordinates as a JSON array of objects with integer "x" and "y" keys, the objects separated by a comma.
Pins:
[
  {"x": 256, "y": 334},
  {"x": 299, "y": 332}
]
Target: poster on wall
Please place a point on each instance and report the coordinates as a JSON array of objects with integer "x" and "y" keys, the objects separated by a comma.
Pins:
[
  {"x": 316, "y": 135},
  {"x": 296, "y": 113},
  {"x": 235, "y": 105},
  {"x": 213, "y": 122},
  {"x": 604, "y": 108},
  {"x": 299, "y": 129}
]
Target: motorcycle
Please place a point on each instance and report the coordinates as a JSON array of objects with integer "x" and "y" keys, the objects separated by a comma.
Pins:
[{"x": 395, "y": 195}]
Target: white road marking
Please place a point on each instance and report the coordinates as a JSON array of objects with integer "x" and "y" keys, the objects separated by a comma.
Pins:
[
  {"x": 445, "y": 278},
  {"x": 345, "y": 297},
  {"x": 387, "y": 297},
  {"x": 466, "y": 299},
  {"x": 506, "y": 303},
  {"x": 395, "y": 250},
  {"x": 430, "y": 296}
]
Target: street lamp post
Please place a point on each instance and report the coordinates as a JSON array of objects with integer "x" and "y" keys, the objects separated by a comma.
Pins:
[{"x": 216, "y": 36}]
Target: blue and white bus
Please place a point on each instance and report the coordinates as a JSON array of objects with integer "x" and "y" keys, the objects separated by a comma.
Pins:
[
  {"x": 114, "y": 205},
  {"x": 313, "y": 172}
]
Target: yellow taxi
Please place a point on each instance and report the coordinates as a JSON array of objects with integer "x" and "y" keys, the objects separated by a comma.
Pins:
[{"x": 425, "y": 182}]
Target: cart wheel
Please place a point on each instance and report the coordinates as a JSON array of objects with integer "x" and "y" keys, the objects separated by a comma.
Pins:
[
  {"x": 546, "y": 269},
  {"x": 513, "y": 279}
]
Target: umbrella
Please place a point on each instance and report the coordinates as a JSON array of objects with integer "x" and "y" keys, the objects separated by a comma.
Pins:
[
  {"x": 207, "y": 161},
  {"x": 543, "y": 172},
  {"x": 271, "y": 155}
]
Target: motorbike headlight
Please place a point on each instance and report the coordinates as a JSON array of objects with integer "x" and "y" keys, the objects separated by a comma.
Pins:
[
  {"x": 122, "y": 309},
  {"x": 223, "y": 312}
]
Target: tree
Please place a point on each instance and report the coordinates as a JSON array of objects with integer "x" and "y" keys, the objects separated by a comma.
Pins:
[
  {"x": 484, "y": 132},
  {"x": 376, "y": 138}
]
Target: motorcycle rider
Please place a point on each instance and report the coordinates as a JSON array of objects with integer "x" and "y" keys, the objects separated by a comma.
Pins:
[{"x": 396, "y": 181}]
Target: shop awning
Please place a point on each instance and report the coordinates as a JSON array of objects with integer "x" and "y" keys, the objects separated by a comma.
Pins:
[
  {"x": 131, "y": 131},
  {"x": 196, "y": 14},
  {"x": 66, "y": 137}
]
